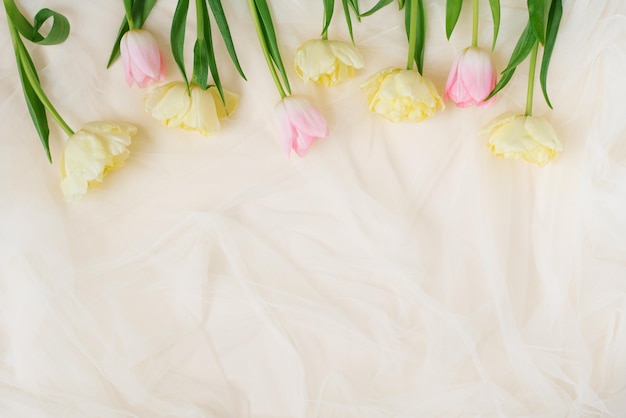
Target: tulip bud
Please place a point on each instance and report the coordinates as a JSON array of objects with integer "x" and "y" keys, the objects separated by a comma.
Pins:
[
  {"x": 99, "y": 147},
  {"x": 530, "y": 138},
  {"x": 197, "y": 110},
  {"x": 327, "y": 62},
  {"x": 298, "y": 124},
  {"x": 398, "y": 95},
  {"x": 143, "y": 61},
  {"x": 471, "y": 79}
]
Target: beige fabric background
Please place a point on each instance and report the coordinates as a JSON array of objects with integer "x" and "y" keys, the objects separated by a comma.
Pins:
[{"x": 399, "y": 270}]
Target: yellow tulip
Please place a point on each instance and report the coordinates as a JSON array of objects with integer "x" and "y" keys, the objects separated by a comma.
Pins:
[
  {"x": 99, "y": 147},
  {"x": 397, "y": 95},
  {"x": 530, "y": 138},
  {"x": 197, "y": 110},
  {"x": 327, "y": 62}
]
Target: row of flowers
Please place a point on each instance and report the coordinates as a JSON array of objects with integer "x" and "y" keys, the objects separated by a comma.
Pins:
[{"x": 396, "y": 94}]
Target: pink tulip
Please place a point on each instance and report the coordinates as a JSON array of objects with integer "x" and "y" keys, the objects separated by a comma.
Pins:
[
  {"x": 298, "y": 124},
  {"x": 142, "y": 58},
  {"x": 471, "y": 79}
]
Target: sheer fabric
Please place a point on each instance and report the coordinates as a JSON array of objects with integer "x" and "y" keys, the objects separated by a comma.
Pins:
[{"x": 399, "y": 270}]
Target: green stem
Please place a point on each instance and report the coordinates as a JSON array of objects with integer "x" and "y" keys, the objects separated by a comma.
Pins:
[
  {"x": 266, "y": 53},
  {"x": 531, "y": 79},
  {"x": 199, "y": 36},
  {"x": 128, "y": 9},
  {"x": 475, "y": 23},
  {"x": 199, "y": 20},
  {"x": 412, "y": 34},
  {"x": 21, "y": 54}
]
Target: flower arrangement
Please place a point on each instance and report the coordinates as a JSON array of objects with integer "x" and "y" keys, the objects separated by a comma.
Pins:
[{"x": 200, "y": 103}]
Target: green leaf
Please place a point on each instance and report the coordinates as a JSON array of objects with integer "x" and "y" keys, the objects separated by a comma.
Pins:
[
  {"x": 141, "y": 11},
  {"x": 200, "y": 63},
  {"x": 377, "y": 7},
  {"x": 329, "y": 8},
  {"x": 453, "y": 10},
  {"x": 523, "y": 47},
  {"x": 18, "y": 20},
  {"x": 504, "y": 80},
  {"x": 270, "y": 39},
  {"x": 59, "y": 31},
  {"x": 554, "y": 20},
  {"x": 400, "y": 4},
  {"x": 177, "y": 36},
  {"x": 346, "y": 12},
  {"x": 354, "y": 4},
  {"x": 495, "y": 14},
  {"x": 538, "y": 11},
  {"x": 115, "y": 53},
  {"x": 222, "y": 25},
  {"x": 35, "y": 107},
  {"x": 213, "y": 63}
]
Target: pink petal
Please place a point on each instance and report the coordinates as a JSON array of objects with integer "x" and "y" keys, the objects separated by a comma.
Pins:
[
  {"x": 126, "y": 59},
  {"x": 284, "y": 129},
  {"x": 306, "y": 118},
  {"x": 303, "y": 143},
  {"x": 143, "y": 60},
  {"x": 477, "y": 73},
  {"x": 452, "y": 77}
]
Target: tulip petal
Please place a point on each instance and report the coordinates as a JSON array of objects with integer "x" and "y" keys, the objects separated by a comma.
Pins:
[
  {"x": 305, "y": 117},
  {"x": 168, "y": 101},
  {"x": 201, "y": 116},
  {"x": 298, "y": 124},
  {"x": 327, "y": 62},
  {"x": 540, "y": 129},
  {"x": 347, "y": 54},
  {"x": 398, "y": 95},
  {"x": 125, "y": 54},
  {"x": 285, "y": 130},
  {"x": 477, "y": 73},
  {"x": 142, "y": 58},
  {"x": 471, "y": 79},
  {"x": 527, "y": 137},
  {"x": 452, "y": 78},
  {"x": 224, "y": 109},
  {"x": 99, "y": 147},
  {"x": 199, "y": 110}
]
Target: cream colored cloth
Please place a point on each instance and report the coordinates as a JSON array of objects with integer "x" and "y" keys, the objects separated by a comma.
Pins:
[{"x": 399, "y": 270}]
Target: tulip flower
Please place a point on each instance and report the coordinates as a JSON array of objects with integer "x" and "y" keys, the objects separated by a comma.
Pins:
[
  {"x": 530, "y": 138},
  {"x": 298, "y": 124},
  {"x": 397, "y": 94},
  {"x": 327, "y": 62},
  {"x": 197, "y": 110},
  {"x": 93, "y": 151},
  {"x": 143, "y": 61},
  {"x": 471, "y": 79}
]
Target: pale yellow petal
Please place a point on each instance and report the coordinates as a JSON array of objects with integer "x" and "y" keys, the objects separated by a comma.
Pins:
[
  {"x": 93, "y": 151},
  {"x": 399, "y": 95},
  {"x": 202, "y": 114},
  {"x": 543, "y": 132},
  {"x": 167, "y": 102},
  {"x": 522, "y": 137},
  {"x": 231, "y": 102},
  {"x": 327, "y": 62}
]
